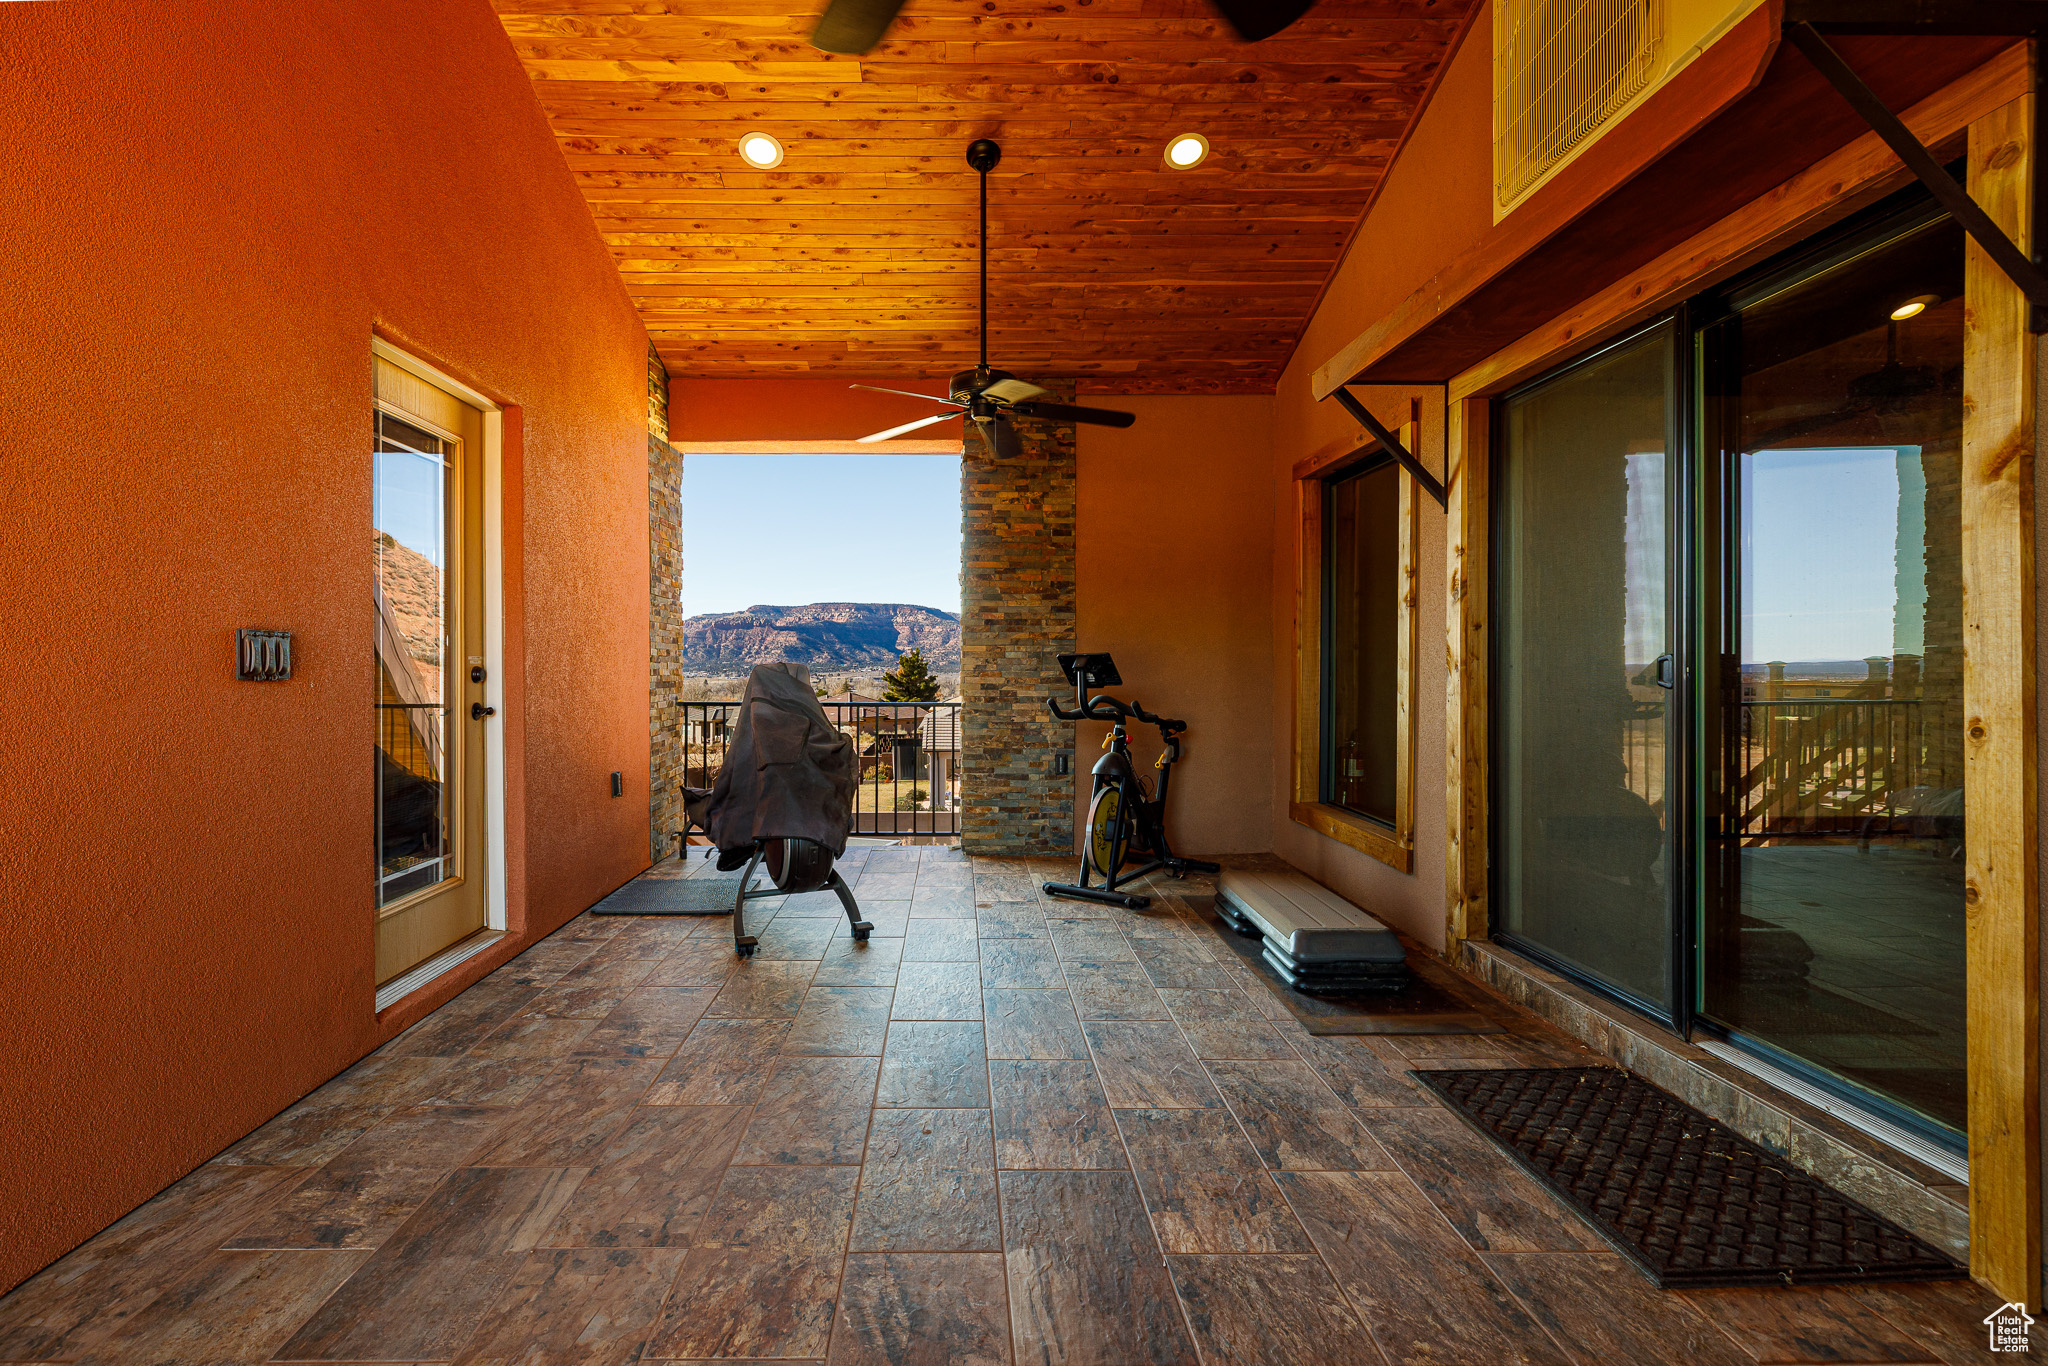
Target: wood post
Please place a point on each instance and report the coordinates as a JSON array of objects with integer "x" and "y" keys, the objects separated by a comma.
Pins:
[
  {"x": 2001, "y": 891},
  {"x": 1468, "y": 449}
]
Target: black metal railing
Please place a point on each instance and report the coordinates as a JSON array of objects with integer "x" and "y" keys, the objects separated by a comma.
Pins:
[
  {"x": 909, "y": 759},
  {"x": 1838, "y": 766}
]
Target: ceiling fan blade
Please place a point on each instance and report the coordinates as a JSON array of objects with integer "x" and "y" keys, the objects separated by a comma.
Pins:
[
  {"x": 1066, "y": 412},
  {"x": 1000, "y": 437},
  {"x": 906, "y": 427},
  {"x": 851, "y": 27},
  {"x": 878, "y": 389},
  {"x": 1012, "y": 391},
  {"x": 1255, "y": 19}
]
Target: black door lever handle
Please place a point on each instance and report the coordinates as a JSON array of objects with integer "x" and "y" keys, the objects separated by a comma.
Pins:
[{"x": 478, "y": 711}]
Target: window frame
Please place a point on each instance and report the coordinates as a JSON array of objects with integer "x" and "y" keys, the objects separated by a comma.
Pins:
[{"x": 1392, "y": 845}]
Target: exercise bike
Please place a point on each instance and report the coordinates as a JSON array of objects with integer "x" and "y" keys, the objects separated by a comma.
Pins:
[{"x": 1126, "y": 815}]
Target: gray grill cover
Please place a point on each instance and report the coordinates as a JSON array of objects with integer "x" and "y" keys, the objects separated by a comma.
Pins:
[{"x": 789, "y": 773}]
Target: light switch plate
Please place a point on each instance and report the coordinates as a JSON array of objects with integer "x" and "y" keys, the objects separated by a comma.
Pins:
[{"x": 263, "y": 656}]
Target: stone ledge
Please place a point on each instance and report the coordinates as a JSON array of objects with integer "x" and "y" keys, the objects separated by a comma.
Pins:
[{"x": 1914, "y": 1195}]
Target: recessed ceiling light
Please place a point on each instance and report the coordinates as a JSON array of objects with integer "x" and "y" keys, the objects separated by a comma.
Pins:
[
  {"x": 1186, "y": 152},
  {"x": 761, "y": 151},
  {"x": 1913, "y": 307}
]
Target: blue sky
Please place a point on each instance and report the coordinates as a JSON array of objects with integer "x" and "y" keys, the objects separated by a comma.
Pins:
[
  {"x": 791, "y": 529},
  {"x": 1821, "y": 553}
]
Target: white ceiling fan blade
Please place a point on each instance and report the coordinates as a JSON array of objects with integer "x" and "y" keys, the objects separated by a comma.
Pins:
[
  {"x": 907, "y": 427},
  {"x": 875, "y": 388},
  {"x": 1012, "y": 391}
]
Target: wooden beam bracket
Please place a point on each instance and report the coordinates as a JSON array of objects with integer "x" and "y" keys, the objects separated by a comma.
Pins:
[
  {"x": 1430, "y": 484},
  {"x": 2016, "y": 264}
]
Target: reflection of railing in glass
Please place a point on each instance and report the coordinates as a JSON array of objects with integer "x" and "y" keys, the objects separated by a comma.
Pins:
[
  {"x": 411, "y": 630},
  {"x": 909, "y": 760},
  {"x": 409, "y": 792},
  {"x": 1831, "y": 767}
]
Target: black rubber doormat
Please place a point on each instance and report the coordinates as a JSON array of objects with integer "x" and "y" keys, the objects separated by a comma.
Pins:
[
  {"x": 1687, "y": 1199},
  {"x": 672, "y": 896}
]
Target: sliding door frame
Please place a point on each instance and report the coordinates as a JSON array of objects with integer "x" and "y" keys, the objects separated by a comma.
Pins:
[
  {"x": 1716, "y": 588},
  {"x": 1680, "y": 632}
]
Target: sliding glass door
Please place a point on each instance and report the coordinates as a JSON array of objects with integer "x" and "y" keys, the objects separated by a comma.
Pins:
[
  {"x": 1832, "y": 826},
  {"x": 1585, "y": 668},
  {"x": 1728, "y": 660}
]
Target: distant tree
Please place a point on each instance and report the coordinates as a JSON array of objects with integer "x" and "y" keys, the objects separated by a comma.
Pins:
[{"x": 911, "y": 680}]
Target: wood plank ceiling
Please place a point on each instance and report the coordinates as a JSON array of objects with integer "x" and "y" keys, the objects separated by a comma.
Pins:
[{"x": 857, "y": 255}]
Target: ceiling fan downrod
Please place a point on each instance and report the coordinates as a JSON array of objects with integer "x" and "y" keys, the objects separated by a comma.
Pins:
[{"x": 982, "y": 155}]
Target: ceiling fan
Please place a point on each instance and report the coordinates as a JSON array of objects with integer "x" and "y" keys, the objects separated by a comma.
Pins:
[
  {"x": 986, "y": 396},
  {"x": 851, "y": 27}
]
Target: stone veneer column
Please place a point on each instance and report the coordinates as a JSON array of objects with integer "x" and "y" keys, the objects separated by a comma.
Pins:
[
  {"x": 1016, "y": 614},
  {"x": 664, "y": 616}
]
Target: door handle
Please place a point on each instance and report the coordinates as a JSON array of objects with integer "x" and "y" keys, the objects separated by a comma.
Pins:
[
  {"x": 1667, "y": 671},
  {"x": 478, "y": 711}
]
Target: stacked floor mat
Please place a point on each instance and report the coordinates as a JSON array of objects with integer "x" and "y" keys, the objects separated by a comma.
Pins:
[{"x": 1314, "y": 939}]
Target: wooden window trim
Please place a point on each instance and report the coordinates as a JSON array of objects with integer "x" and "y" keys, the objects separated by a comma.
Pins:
[
  {"x": 1990, "y": 110},
  {"x": 1393, "y": 846}
]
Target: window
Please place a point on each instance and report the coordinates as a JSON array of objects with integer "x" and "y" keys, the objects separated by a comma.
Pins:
[
  {"x": 1361, "y": 640},
  {"x": 1354, "y": 747}
]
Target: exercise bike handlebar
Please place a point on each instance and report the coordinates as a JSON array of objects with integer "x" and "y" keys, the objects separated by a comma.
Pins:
[{"x": 1103, "y": 707}]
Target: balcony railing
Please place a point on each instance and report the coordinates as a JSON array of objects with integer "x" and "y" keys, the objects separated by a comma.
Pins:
[
  {"x": 909, "y": 759},
  {"x": 1828, "y": 767}
]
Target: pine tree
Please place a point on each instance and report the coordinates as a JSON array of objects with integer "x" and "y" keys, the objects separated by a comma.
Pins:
[{"x": 911, "y": 680}]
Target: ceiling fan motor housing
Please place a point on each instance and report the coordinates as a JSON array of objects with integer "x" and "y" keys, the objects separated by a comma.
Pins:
[{"x": 967, "y": 385}]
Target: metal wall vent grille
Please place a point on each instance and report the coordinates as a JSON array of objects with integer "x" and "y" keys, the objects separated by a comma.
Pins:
[{"x": 1562, "y": 69}]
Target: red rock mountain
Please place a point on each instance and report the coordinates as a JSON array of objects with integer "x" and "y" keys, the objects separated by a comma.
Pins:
[{"x": 821, "y": 635}]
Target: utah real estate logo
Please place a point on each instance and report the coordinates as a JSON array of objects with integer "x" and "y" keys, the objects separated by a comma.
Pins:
[{"x": 2009, "y": 1324}]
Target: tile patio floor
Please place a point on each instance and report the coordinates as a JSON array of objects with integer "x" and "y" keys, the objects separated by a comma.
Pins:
[{"x": 1006, "y": 1129}]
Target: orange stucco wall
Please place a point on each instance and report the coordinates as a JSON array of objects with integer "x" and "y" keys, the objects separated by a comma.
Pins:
[
  {"x": 801, "y": 409},
  {"x": 208, "y": 208},
  {"x": 1433, "y": 205},
  {"x": 1173, "y": 538}
]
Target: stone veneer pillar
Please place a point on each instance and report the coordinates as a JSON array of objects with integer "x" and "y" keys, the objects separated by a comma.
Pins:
[
  {"x": 1016, "y": 614},
  {"x": 664, "y": 616}
]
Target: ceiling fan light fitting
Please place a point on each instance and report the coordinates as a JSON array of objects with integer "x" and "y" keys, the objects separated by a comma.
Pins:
[
  {"x": 762, "y": 151},
  {"x": 1187, "y": 151}
]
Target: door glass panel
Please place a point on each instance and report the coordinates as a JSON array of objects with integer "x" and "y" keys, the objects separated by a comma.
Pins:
[
  {"x": 1584, "y": 744},
  {"x": 1833, "y": 876},
  {"x": 1361, "y": 635},
  {"x": 410, "y": 532}
]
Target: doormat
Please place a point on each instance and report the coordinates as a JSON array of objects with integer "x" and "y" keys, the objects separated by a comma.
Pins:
[
  {"x": 672, "y": 896},
  {"x": 1427, "y": 1005},
  {"x": 1687, "y": 1199}
]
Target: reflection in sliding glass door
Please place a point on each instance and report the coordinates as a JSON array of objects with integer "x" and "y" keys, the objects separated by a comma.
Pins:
[{"x": 1832, "y": 915}]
